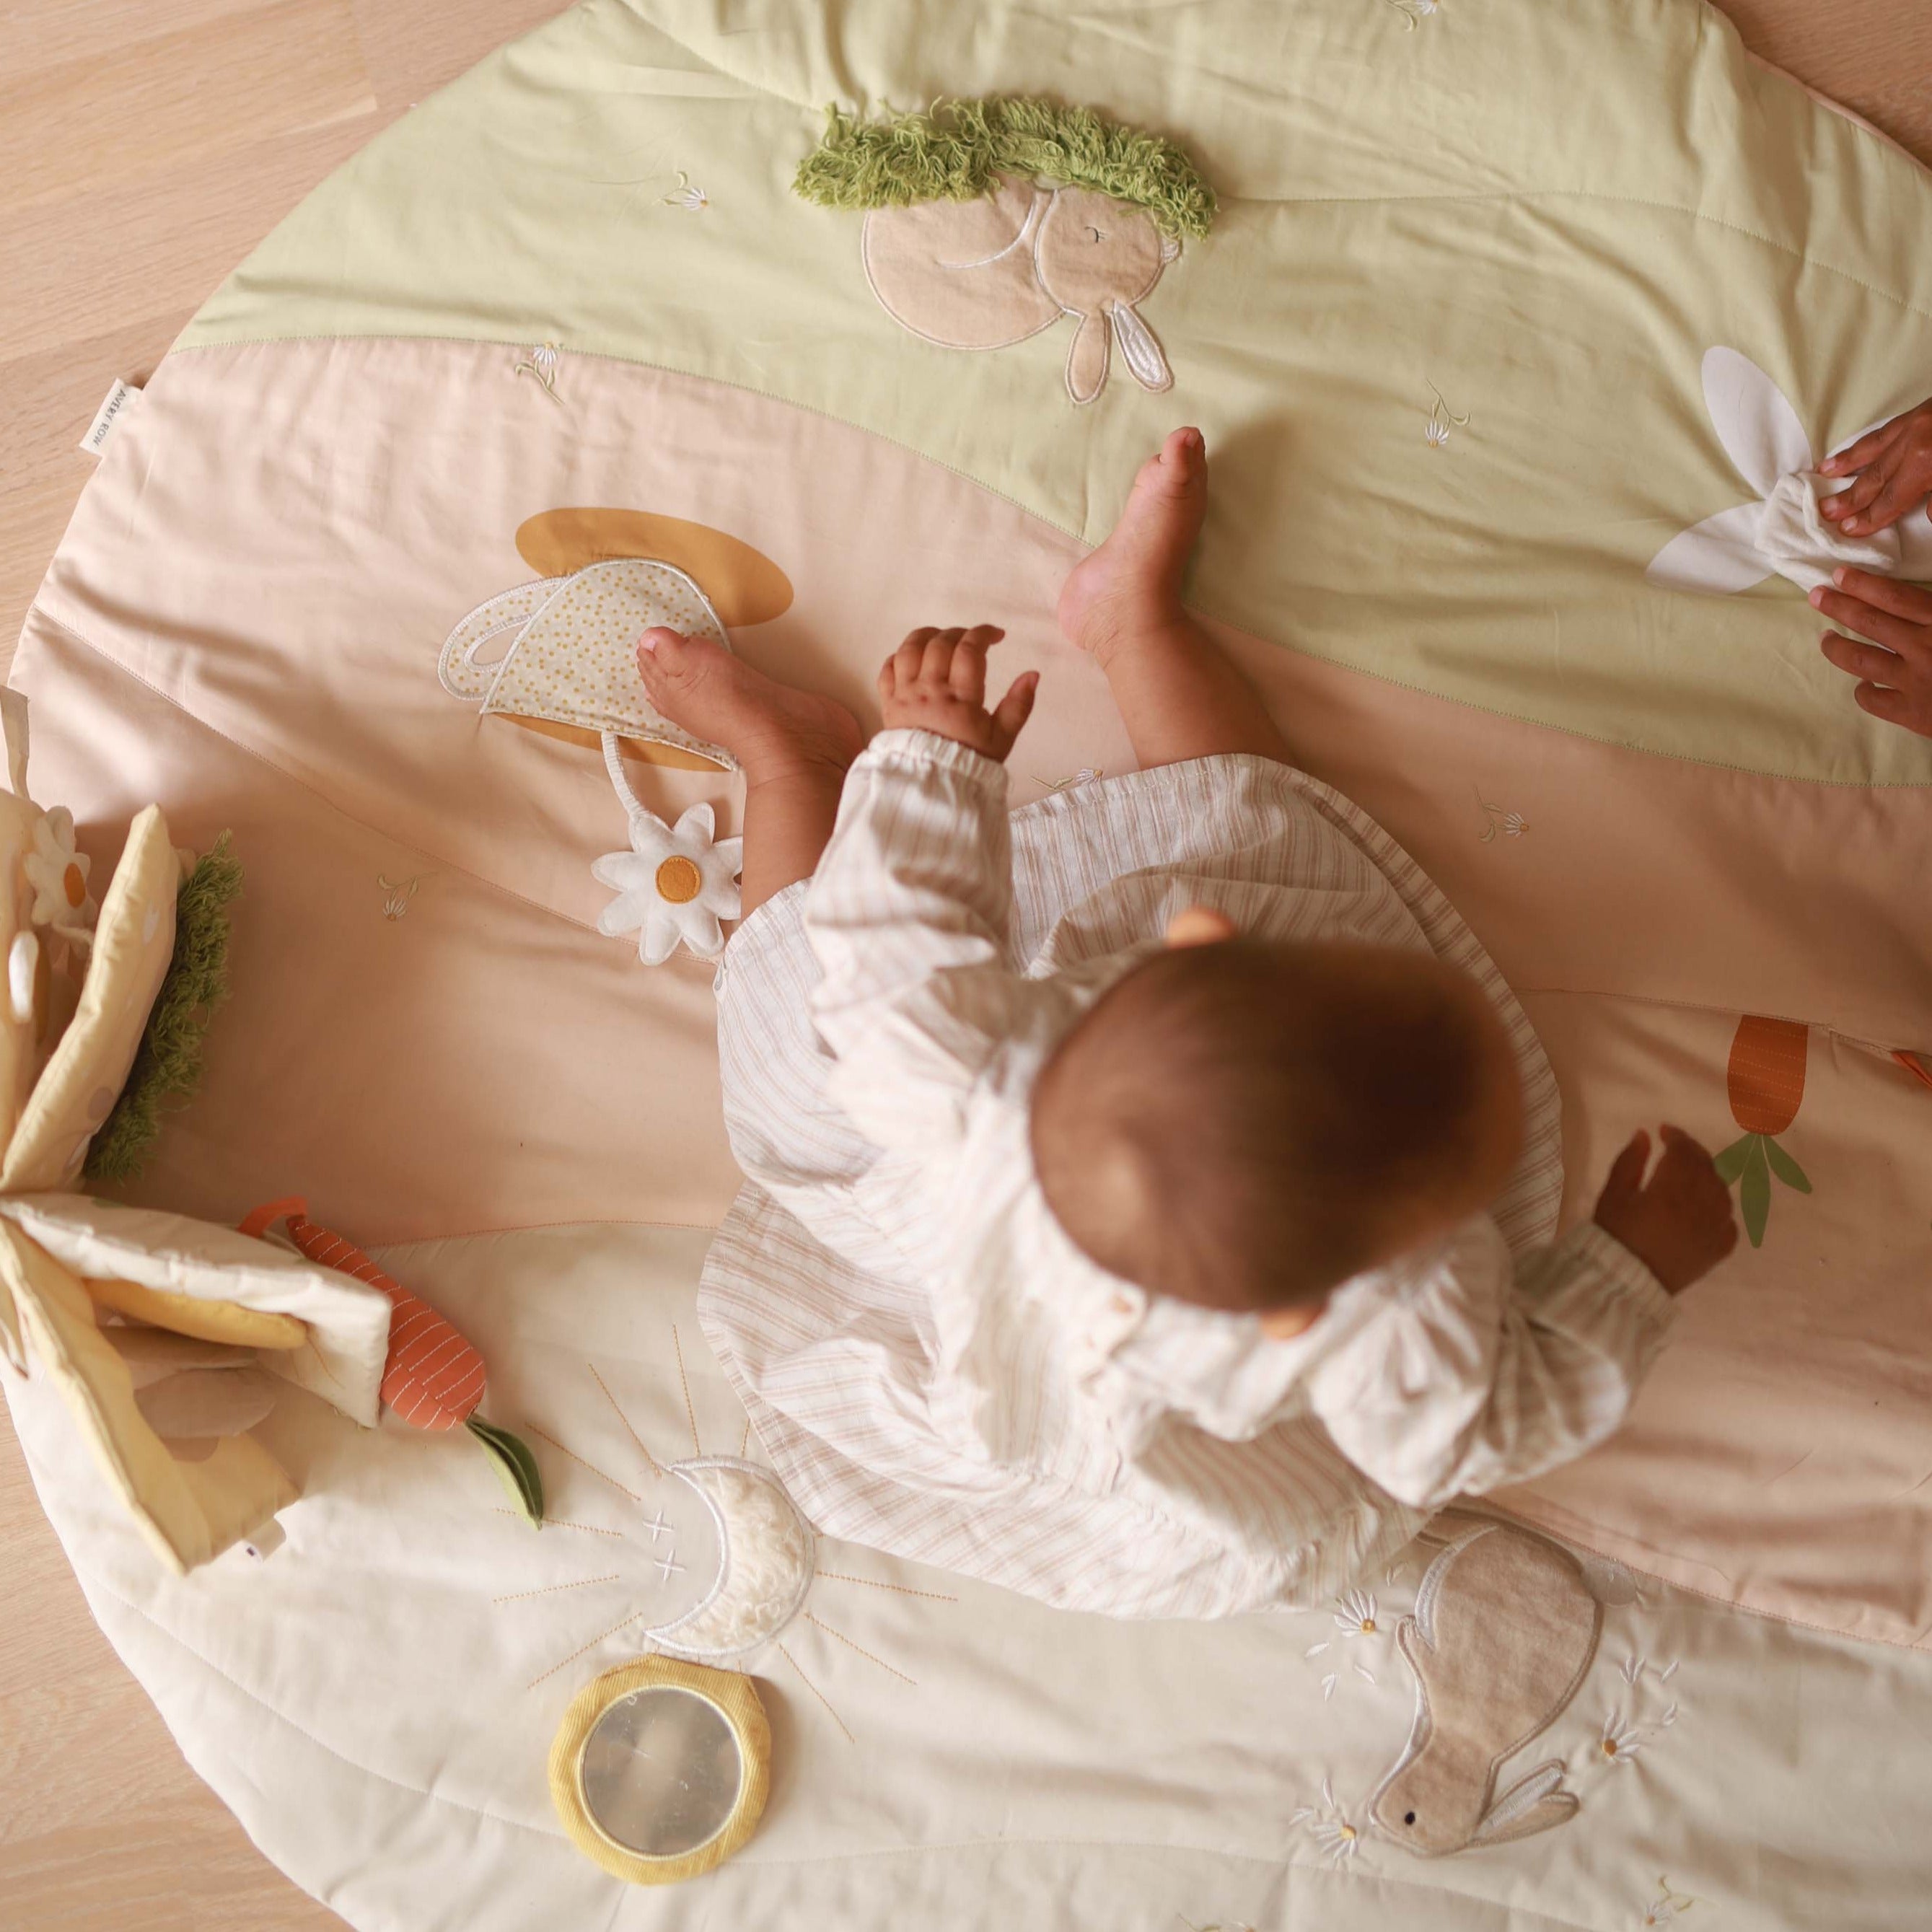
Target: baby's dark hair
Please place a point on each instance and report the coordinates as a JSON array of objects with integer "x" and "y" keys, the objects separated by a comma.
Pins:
[{"x": 1241, "y": 1124}]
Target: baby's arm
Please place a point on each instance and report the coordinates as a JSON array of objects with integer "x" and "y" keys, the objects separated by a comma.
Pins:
[
  {"x": 907, "y": 912},
  {"x": 1495, "y": 1373}
]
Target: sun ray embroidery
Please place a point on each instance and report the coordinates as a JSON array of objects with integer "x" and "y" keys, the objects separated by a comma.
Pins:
[
  {"x": 636, "y": 1616},
  {"x": 874, "y": 1583},
  {"x": 563, "y": 1449},
  {"x": 684, "y": 1382},
  {"x": 656, "y": 1467},
  {"x": 841, "y": 1637},
  {"x": 550, "y": 1589},
  {"x": 561, "y": 1523},
  {"x": 815, "y": 1691}
]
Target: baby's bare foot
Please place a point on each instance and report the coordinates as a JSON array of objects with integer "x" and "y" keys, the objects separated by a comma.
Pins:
[
  {"x": 1130, "y": 587},
  {"x": 770, "y": 728}
]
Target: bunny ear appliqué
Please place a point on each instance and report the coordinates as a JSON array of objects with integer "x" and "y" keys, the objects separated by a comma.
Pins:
[
  {"x": 1759, "y": 428},
  {"x": 1087, "y": 358},
  {"x": 1138, "y": 349},
  {"x": 1717, "y": 556}
]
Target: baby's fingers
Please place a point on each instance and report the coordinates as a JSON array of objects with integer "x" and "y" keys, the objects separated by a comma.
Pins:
[
  {"x": 1014, "y": 710},
  {"x": 902, "y": 667},
  {"x": 968, "y": 675},
  {"x": 1626, "y": 1174}
]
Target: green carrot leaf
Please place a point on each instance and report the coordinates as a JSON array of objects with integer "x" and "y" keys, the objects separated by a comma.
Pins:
[
  {"x": 1786, "y": 1169},
  {"x": 1732, "y": 1161},
  {"x": 1754, "y": 1192},
  {"x": 516, "y": 1468}
]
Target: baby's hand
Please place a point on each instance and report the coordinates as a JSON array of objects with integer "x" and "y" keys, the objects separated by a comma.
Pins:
[
  {"x": 1894, "y": 469},
  {"x": 1680, "y": 1225},
  {"x": 936, "y": 681}
]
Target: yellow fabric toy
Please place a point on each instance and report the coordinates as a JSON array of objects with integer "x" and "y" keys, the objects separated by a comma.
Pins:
[{"x": 201, "y": 1321}]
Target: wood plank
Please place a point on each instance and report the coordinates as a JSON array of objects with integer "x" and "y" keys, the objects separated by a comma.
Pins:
[
  {"x": 1876, "y": 59},
  {"x": 279, "y": 70}
]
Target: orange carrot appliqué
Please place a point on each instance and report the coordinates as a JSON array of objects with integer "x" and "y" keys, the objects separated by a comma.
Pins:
[
  {"x": 1766, "y": 1079},
  {"x": 434, "y": 1378}
]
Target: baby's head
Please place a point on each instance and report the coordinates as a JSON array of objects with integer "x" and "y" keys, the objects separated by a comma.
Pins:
[{"x": 1244, "y": 1125}]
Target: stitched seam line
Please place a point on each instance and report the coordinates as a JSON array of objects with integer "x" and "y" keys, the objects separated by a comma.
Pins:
[
  {"x": 341, "y": 1757},
  {"x": 1272, "y": 1862},
  {"x": 1040, "y": 517},
  {"x": 393, "y": 1243},
  {"x": 303, "y": 784},
  {"x": 1696, "y": 1006},
  {"x": 1580, "y": 1530}
]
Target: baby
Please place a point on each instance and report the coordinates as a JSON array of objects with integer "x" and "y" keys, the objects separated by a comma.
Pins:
[{"x": 1152, "y": 1192}]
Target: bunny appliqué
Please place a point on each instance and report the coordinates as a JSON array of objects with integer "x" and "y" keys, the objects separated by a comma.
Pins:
[
  {"x": 1504, "y": 1629},
  {"x": 1781, "y": 532},
  {"x": 990, "y": 272}
]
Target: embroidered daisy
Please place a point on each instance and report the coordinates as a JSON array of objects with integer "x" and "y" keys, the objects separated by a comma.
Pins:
[
  {"x": 1667, "y": 1906},
  {"x": 59, "y": 876},
  {"x": 1328, "y": 1828},
  {"x": 1355, "y": 1614},
  {"x": 675, "y": 884},
  {"x": 1620, "y": 1742}
]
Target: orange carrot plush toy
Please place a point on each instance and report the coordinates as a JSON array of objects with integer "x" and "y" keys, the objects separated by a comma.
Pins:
[
  {"x": 1766, "y": 1082},
  {"x": 434, "y": 1378}
]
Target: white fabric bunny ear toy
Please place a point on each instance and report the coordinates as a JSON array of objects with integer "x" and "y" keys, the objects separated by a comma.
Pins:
[{"x": 1782, "y": 533}]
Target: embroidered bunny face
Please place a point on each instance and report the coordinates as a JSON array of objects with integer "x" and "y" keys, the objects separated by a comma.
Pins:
[{"x": 987, "y": 273}]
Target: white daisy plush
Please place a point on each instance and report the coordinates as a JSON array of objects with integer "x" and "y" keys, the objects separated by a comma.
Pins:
[
  {"x": 676, "y": 883},
  {"x": 59, "y": 876}
]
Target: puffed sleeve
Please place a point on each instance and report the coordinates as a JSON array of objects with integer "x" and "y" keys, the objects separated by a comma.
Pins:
[
  {"x": 1483, "y": 1372},
  {"x": 908, "y": 916}
]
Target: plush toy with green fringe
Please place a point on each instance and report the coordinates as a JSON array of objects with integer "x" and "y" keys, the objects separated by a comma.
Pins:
[
  {"x": 958, "y": 151},
  {"x": 167, "y": 1063},
  {"x": 987, "y": 221}
]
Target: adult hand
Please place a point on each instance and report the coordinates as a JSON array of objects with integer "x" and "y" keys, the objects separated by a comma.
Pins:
[
  {"x": 936, "y": 681},
  {"x": 1895, "y": 671},
  {"x": 1893, "y": 469}
]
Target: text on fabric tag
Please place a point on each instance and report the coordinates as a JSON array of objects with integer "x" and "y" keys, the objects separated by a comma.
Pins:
[{"x": 107, "y": 416}]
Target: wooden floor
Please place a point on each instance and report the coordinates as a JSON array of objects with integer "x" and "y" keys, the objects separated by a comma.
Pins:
[{"x": 146, "y": 146}]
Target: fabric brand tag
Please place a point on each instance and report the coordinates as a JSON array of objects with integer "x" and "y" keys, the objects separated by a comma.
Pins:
[{"x": 108, "y": 416}]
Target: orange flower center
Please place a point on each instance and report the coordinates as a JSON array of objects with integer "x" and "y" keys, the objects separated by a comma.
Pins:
[
  {"x": 74, "y": 885},
  {"x": 678, "y": 881}
]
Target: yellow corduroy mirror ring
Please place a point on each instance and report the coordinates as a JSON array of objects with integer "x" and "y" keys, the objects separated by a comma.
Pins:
[{"x": 660, "y": 1769}]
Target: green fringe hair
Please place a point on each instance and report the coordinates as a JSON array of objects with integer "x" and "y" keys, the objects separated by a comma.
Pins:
[
  {"x": 167, "y": 1063},
  {"x": 954, "y": 153}
]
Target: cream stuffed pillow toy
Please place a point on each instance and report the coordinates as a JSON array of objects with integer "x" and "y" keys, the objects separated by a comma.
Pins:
[{"x": 168, "y": 1339}]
